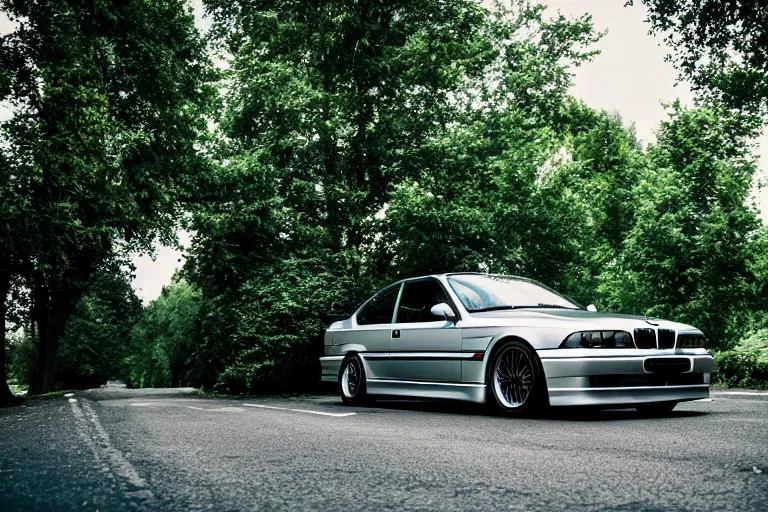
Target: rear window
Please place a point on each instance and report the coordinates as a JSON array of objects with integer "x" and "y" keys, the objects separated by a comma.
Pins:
[{"x": 381, "y": 308}]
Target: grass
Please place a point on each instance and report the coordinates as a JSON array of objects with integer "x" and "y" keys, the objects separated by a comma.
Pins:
[
  {"x": 18, "y": 389},
  {"x": 47, "y": 396},
  {"x": 21, "y": 392}
]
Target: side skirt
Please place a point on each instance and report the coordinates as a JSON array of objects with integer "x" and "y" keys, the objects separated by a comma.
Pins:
[{"x": 444, "y": 390}]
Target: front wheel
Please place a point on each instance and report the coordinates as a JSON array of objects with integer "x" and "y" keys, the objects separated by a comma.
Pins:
[
  {"x": 352, "y": 386},
  {"x": 516, "y": 379}
]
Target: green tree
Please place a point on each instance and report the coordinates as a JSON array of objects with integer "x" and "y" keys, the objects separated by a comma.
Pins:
[
  {"x": 108, "y": 101},
  {"x": 689, "y": 254},
  {"x": 718, "y": 45},
  {"x": 97, "y": 335},
  {"x": 333, "y": 110},
  {"x": 11, "y": 229},
  {"x": 590, "y": 194},
  {"x": 164, "y": 338},
  {"x": 553, "y": 204}
]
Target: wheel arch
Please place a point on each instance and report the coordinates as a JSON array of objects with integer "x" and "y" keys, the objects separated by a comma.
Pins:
[
  {"x": 496, "y": 345},
  {"x": 353, "y": 350},
  {"x": 348, "y": 354},
  {"x": 360, "y": 395}
]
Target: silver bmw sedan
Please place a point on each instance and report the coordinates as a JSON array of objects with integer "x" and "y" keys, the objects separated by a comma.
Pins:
[{"x": 513, "y": 343}]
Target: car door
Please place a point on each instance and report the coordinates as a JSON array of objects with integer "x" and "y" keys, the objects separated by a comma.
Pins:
[
  {"x": 373, "y": 330},
  {"x": 425, "y": 347}
]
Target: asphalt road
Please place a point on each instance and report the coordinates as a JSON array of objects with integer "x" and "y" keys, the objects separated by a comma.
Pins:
[{"x": 122, "y": 450}]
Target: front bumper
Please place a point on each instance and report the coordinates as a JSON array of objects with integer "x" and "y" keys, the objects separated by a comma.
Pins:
[{"x": 616, "y": 379}]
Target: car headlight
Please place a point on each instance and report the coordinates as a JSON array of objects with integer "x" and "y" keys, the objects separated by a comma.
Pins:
[
  {"x": 598, "y": 339},
  {"x": 691, "y": 341}
]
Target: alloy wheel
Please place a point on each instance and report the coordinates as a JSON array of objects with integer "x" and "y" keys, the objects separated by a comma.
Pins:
[
  {"x": 513, "y": 375},
  {"x": 350, "y": 379}
]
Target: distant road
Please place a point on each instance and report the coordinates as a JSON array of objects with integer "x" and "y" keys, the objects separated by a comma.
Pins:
[{"x": 117, "y": 449}]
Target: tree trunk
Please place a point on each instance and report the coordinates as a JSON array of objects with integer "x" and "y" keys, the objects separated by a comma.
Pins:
[
  {"x": 43, "y": 375},
  {"x": 6, "y": 395},
  {"x": 53, "y": 304}
]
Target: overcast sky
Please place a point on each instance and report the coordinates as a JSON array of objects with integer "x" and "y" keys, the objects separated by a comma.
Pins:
[{"x": 629, "y": 76}]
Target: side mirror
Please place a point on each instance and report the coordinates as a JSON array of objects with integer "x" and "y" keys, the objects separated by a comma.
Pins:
[
  {"x": 592, "y": 308},
  {"x": 445, "y": 311}
]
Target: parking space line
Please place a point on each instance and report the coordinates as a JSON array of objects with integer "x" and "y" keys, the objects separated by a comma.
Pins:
[
  {"x": 333, "y": 414},
  {"x": 746, "y": 393}
]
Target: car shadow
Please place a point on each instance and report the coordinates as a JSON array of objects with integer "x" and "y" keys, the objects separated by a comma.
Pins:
[
  {"x": 436, "y": 406},
  {"x": 574, "y": 414}
]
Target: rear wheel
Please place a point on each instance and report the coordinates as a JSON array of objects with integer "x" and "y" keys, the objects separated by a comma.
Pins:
[
  {"x": 352, "y": 381},
  {"x": 516, "y": 380},
  {"x": 657, "y": 408}
]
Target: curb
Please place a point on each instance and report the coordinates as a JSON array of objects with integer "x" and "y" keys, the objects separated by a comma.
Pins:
[{"x": 740, "y": 395}]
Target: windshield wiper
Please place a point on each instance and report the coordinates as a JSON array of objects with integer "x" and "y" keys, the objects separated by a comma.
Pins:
[
  {"x": 549, "y": 306},
  {"x": 492, "y": 308}
]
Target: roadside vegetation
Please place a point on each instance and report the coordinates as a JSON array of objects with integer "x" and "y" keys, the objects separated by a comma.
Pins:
[
  {"x": 746, "y": 365},
  {"x": 335, "y": 147}
]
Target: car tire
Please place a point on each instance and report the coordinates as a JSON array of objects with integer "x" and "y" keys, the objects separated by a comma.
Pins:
[
  {"x": 656, "y": 409},
  {"x": 352, "y": 382},
  {"x": 516, "y": 380}
]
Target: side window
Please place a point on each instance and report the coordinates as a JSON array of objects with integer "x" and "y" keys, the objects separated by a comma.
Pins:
[
  {"x": 380, "y": 308},
  {"x": 417, "y": 300}
]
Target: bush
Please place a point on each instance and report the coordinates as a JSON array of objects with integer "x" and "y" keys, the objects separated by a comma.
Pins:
[
  {"x": 23, "y": 356},
  {"x": 277, "y": 334},
  {"x": 276, "y": 364},
  {"x": 746, "y": 365}
]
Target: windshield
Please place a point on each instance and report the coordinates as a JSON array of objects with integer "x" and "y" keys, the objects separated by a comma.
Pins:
[{"x": 487, "y": 293}]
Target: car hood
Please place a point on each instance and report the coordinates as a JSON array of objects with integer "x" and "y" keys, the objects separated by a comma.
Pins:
[{"x": 568, "y": 318}]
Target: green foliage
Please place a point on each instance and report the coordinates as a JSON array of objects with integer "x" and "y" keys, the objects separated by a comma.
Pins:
[
  {"x": 96, "y": 340},
  {"x": 740, "y": 370},
  {"x": 163, "y": 339},
  {"x": 357, "y": 143},
  {"x": 278, "y": 331},
  {"x": 719, "y": 46},
  {"x": 21, "y": 358},
  {"x": 757, "y": 343},
  {"x": 690, "y": 251},
  {"x": 747, "y": 364},
  {"x": 108, "y": 102},
  {"x": 358, "y": 138},
  {"x": 97, "y": 335}
]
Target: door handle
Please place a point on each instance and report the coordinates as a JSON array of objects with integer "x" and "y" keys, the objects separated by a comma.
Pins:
[{"x": 396, "y": 333}]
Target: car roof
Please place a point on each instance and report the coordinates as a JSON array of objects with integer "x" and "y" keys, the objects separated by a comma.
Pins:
[{"x": 448, "y": 274}]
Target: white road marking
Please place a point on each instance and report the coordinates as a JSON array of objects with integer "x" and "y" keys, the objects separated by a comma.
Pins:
[
  {"x": 67, "y": 395},
  {"x": 220, "y": 409},
  {"x": 184, "y": 402},
  {"x": 751, "y": 393},
  {"x": 96, "y": 438},
  {"x": 334, "y": 414},
  {"x": 166, "y": 404}
]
